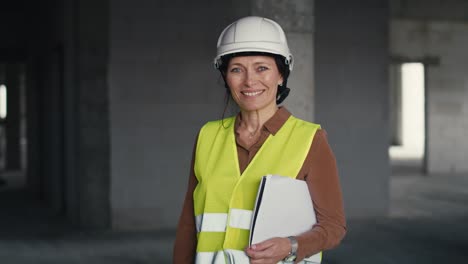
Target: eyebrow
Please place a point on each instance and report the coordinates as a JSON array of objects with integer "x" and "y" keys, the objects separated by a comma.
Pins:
[{"x": 255, "y": 63}]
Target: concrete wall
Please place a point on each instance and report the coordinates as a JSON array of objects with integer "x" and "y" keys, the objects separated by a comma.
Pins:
[
  {"x": 447, "y": 86},
  {"x": 163, "y": 87},
  {"x": 351, "y": 62},
  {"x": 447, "y": 10}
]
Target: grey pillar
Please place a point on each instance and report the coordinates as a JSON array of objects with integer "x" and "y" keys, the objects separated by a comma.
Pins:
[
  {"x": 92, "y": 49},
  {"x": 297, "y": 20},
  {"x": 32, "y": 128}
]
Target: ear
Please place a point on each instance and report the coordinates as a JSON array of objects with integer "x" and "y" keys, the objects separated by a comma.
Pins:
[{"x": 280, "y": 81}]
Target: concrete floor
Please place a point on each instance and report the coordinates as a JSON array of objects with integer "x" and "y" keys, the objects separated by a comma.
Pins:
[{"x": 427, "y": 224}]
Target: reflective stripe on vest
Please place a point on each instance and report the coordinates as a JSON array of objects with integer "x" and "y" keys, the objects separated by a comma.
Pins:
[
  {"x": 224, "y": 198},
  {"x": 215, "y": 222}
]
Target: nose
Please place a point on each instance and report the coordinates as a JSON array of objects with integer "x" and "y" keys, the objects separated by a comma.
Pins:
[{"x": 250, "y": 78}]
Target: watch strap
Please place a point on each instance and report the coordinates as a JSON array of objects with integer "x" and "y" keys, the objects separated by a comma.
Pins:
[{"x": 293, "y": 253}]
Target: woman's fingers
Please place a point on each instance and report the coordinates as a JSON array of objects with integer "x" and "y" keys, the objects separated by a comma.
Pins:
[{"x": 269, "y": 251}]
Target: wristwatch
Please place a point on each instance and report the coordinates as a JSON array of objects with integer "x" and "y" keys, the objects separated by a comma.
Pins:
[{"x": 293, "y": 253}]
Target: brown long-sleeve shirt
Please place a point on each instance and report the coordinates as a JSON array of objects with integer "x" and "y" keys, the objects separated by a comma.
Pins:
[{"x": 319, "y": 171}]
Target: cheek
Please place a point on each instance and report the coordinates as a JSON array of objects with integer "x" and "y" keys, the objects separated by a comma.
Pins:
[
  {"x": 232, "y": 82},
  {"x": 230, "y": 86},
  {"x": 272, "y": 81}
]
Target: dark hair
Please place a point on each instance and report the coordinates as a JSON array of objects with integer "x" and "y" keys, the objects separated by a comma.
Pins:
[{"x": 283, "y": 68}]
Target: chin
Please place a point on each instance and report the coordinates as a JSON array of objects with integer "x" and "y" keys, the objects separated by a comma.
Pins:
[
  {"x": 248, "y": 108},
  {"x": 254, "y": 105},
  {"x": 251, "y": 108}
]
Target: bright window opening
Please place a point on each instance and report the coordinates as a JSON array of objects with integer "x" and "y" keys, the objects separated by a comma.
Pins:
[
  {"x": 412, "y": 113},
  {"x": 3, "y": 101}
]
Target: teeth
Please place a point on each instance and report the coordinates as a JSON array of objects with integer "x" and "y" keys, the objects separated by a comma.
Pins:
[{"x": 252, "y": 93}]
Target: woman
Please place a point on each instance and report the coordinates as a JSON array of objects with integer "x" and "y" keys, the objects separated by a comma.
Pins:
[{"x": 231, "y": 156}]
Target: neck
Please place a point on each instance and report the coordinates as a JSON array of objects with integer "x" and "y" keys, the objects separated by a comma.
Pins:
[{"x": 254, "y": 120}]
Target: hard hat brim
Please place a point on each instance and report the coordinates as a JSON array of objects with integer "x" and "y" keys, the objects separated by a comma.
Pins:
[{"x": 267, "y": 47}]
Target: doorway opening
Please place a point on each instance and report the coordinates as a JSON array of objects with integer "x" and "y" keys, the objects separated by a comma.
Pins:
[{"x": 407, "y": 151}]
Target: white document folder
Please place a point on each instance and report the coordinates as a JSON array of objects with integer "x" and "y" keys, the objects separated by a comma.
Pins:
[{"x": 283, "y": 208}]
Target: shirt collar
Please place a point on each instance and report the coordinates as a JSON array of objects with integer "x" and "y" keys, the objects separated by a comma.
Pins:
[{"x": 277, "y": 120}]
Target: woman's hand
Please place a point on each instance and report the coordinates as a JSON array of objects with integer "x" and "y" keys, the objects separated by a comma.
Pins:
[{"x": 269, "y": 251}]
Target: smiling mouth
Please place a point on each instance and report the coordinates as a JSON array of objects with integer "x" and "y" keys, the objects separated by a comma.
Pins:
[{"x": 252, "y": 93}]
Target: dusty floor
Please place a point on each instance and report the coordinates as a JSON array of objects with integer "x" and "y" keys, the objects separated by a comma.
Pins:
[{"x": 428, "y": 223}]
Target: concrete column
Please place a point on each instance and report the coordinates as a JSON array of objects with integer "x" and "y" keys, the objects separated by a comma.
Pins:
[
  {"x": 92, "y": 51},
  {"x": 297, "y": 20},
  {"x": 351, "y": 71},
  {"x": 71, "y": 126},
  {"x": 32, "y": 128},
  {"x": 51, "y": 127},
  {"x": 44, "y": 111}
]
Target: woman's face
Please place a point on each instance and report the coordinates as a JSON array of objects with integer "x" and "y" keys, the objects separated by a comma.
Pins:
[{"x": 253, "y": 81}]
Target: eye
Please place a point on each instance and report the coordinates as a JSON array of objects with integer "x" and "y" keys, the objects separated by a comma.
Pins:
[
  {"x": 235, "y": 70},
  {"x": 262, "y": 68}
]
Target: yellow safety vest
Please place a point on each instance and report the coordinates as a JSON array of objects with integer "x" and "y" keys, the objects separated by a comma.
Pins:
[{"x": 224, "y": 198}]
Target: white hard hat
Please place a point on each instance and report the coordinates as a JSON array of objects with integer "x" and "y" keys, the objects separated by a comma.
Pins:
[{"x": 253, "y": 34}]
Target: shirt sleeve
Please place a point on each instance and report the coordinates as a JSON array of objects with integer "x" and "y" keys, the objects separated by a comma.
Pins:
[
  {"x": 321, "y": 174},
  {"x": 186, "y": 235}
]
